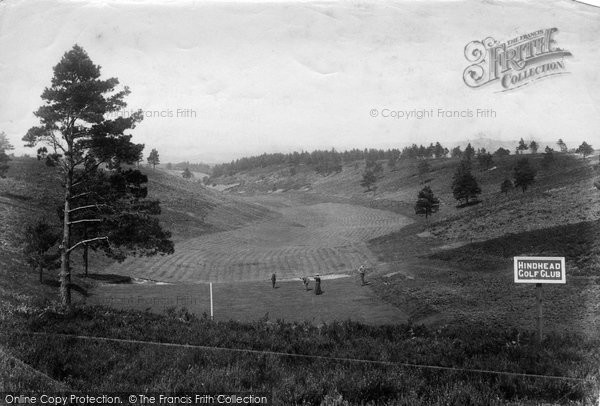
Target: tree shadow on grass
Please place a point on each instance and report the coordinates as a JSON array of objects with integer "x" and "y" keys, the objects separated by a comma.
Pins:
[
  {"x": 471, "y": 203},
  {"x": 108, "y": 278},
  {"x": 56, "y": 284}
]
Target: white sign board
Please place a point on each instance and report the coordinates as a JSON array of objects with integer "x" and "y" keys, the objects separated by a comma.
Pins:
[{"x": 540, "y": 270}]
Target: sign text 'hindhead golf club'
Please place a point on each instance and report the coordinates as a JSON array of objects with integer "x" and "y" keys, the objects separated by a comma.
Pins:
[{"x": 540, "y": 270}]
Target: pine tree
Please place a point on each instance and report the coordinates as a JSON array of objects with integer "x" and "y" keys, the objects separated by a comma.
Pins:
[
  {"x": 187, "y": 174},
  {"x": 469, "y": 152},
  {"x": 88, "y": 150},
  {"x": 522, "y": 147},
  {"x": 524, "y": 174},
  {"x": 533, "y": 146},
  {"x": 464, "y": 184},
  {"x": 5, "y": 145},
  {"x": 368, "y": 180},
  {"x": 439, "y": 151},
  {"x": 506, "y": 186},
  {"x": 153, "y": 158},
  {"x": 427, "y": 203}
]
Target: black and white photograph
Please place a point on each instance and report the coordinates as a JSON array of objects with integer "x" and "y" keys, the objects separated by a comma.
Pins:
[{"x": 300, "y": 202}]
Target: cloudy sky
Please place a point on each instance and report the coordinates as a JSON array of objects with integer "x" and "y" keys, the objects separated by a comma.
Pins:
[{"x": 252, "y": 77}]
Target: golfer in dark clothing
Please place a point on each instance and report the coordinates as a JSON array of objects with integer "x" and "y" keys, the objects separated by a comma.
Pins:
[
  {"x": 273, "y": 280},
  {"x": 362, "y": 272},
  {"x": 318, "y": 290}
]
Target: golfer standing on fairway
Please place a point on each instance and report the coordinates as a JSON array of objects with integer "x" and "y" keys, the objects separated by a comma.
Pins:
[
  {"x": 273, "y": 280},
  {"x": 362, "y": 270},
  {"x": 318, "y": 290},
  {"x": 305, "y": 281}
]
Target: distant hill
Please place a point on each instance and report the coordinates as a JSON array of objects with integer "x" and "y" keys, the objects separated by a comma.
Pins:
[
  {"x": 489, "y": 144},
  {"x": 492, "y": 145},
  {"x": 194, "y": 167}
]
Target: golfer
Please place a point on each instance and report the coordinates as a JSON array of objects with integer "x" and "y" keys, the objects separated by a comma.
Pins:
[
  {"x": 362, "y": 270},
  {"x": 305, "y": 281},
  {"x": 318, "y": 290},
  {"x": 273, "y": 280}
]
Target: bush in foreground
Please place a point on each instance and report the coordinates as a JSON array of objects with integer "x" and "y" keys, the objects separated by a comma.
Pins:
[{"x": 119, "y": 366}]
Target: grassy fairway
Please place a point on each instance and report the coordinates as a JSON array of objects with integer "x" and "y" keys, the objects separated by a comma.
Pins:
[
  {"x": 342, "y": 299},
  {"x": 300, "y": 240}
]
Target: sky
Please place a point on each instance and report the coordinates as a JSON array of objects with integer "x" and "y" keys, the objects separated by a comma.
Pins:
[{"x": 221, "y": 80}]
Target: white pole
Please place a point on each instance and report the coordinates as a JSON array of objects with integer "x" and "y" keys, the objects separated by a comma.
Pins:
[{"x": 211, "y": 302}]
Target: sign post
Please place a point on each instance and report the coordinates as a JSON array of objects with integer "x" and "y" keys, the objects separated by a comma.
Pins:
[
  {"x": 539, "y": 323},
  {"x": 211, "y": 301},
  {"x": 539, "y": 270}
]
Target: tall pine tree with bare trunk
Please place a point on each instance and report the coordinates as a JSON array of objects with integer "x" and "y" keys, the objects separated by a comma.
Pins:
[{"x": 87, "y": 143}]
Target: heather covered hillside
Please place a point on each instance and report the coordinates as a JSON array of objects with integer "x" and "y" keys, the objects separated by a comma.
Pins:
[{"x": 563, "y": 191}]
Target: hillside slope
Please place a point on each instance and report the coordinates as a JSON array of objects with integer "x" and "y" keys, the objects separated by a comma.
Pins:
[
  {"x": 32, "y": 191},
  {"x": 563, "y": 193}
]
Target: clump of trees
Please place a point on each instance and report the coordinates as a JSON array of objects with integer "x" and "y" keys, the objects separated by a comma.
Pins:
[
  {"x": 374, "y": 166},
  {"x": 330, "y": 161},
  {"x": 547, "y": 157},
  {"x": 427, "y": 202},
  {"x": 501, "y": 152},
  {"x": 585, "y": 149},
  {"x": 484, "y": 159},
  {"x": 105, "y": 205},
  {"x": 522, "y": 147},
  {"x": 194, "y": 167},
  {"x": 456, "y": 152},
  {"x": 38, "y": 241},
  {"x": 393, "y": 158},
  {"x": 561, "y": 145},
  {"x": 187, "y": 174}
]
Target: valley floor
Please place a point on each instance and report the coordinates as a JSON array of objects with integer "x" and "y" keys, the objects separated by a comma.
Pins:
[
  {"x": 342, "y": 299},
  {"x": 299, "y": 240}
]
